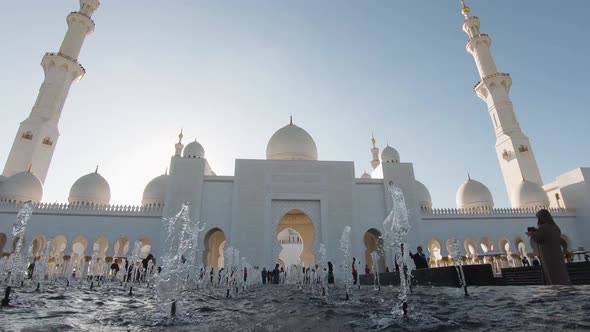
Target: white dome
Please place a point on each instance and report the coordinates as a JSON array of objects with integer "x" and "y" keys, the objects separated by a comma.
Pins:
[
  {"x": 365, "y": 176},
  {"x": 474, "y": 195},
  {"x": 193, "y": 150},
  {"x": 22, "y": 187},
  {"x": 291, "y": 143},
  {"x": 529, "y": 195},
  {"x": 423, "y": 196},
  {"x": 90, "y": 189},
  {"x": 389, "y": 155},
  {"x": 155, "y": 191}
]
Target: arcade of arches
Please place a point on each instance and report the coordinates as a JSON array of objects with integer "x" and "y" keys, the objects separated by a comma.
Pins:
[{"x": 78, "y": 256}]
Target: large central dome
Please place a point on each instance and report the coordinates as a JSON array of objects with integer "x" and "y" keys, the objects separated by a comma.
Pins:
[{"x": 291, "y": 143}]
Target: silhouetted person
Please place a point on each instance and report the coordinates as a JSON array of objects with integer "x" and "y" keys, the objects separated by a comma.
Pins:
[
  {"x": 115, "y": 268},
  {"x": 211, "y": 274},
  {"x": 536, "y": 261},
  {"x": 330, "y": 273},
  {"x": 419, "y": 259},
  {"x": 387, "y": 269},
  {"x": 264, "y": 276},
  {"x": 275, "y": 275},
  {"x": 525, "y": 262},
  {"x": 367, "y": 270},
  {"x": 548, "y": 238},
  {"x": 245, "y": 274}
]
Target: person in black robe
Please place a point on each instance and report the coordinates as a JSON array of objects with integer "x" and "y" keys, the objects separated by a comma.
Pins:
[{"x": 547, "y": 235}]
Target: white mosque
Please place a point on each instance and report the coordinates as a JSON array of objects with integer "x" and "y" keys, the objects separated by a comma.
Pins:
[{"x": 283, "y": 207}]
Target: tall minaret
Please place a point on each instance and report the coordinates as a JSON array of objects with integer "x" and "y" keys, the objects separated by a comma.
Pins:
[
  {"x": 37, "y": 135},
  {"x": 375, "y": 152},
  {"x": 512, "y": 145}
]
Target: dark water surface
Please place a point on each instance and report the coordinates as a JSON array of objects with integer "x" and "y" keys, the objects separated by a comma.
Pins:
[{"x": 287, "y": 308}]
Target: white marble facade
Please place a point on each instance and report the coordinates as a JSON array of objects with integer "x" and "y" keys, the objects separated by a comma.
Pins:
[{"x": 322, "y": 197}]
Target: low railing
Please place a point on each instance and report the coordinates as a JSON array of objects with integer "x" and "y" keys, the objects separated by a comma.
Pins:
[
  {"x": 493, "y": 211},
  {"x": 65, "y": 208},
  {"x": 67, "y": 57},
  {"x": 488, "y": 77}
]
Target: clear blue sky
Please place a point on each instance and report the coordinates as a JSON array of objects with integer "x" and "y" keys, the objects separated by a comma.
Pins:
[{"x": 231, "y": 72}]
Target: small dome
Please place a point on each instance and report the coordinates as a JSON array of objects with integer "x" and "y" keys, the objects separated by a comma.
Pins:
[
  {"x": 423, "y": 196},
  {"x": 528, "y": 194},
  {"x": 474, "y": 195},
  {"x": 22, "y": 187},
  {"x": 90, "y": 189},
  {"x": 155, "y": 191},
  {"x": 389, "y": 155},
  {"x": 193, "y": 150},
  {"x": 291, "y": 143},
  {"x": 366, "y": 175}
]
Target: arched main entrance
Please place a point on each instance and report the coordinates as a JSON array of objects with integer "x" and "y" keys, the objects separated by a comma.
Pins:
[
  {"x": 214, "y": 246},
  {"x": 374, "y": 243},
  {"x": 296, "y": 233}
]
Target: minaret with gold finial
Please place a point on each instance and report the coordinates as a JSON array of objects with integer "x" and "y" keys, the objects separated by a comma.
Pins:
[
  {"x": 375, "y": 152},
  {"x": 37, "y": 135},
  {"x": 179, "y": 146},
  {"x": 513, "y": 148}
]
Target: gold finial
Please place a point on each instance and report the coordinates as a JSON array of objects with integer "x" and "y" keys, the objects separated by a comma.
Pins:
[
  {"x": 180, "y": 136},
  {"x": 373, "y": 139},
  {"x": 466, "y": 10},
  {"x": 290, "y": 120},
  {"x": 30, "y": 166},
  {"x": 96, "y": 170},
  {"x": 468, "y": 176}
]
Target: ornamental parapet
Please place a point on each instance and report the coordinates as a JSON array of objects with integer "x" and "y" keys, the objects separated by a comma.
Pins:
[
  {"x": 490, "y": 76},
  {"x": 86, "y": 209},
  {"x": 67, "y": 57},
  {"x": 495, "y": 211}
]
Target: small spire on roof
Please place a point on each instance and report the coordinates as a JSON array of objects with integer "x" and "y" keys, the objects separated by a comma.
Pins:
[
  {"x": 96, "y": 170},
  {"x": 468, "y": 176},
  {"x": 30, "y": 166},
  {"x": 290, "y": 120},
  {"x": 465, "y": 10},
  {"x": 180, "y": 136}
]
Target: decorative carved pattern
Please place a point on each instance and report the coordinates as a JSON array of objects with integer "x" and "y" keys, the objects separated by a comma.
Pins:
[
  {"x": 27, "y": 135},
  {"x": 281, "y": 207},
  {"x": 522, "y": 148},
  {"x": 47, "y": 141}
]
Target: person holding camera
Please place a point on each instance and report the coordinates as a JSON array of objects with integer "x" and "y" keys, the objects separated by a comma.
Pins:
[{"x": 547, "y": 236}]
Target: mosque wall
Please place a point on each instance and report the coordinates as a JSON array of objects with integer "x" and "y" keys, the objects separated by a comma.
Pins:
[
  {"x": 369, "y": 213},
  {"x": 216, "y": 211},
  {"x": 575, "y": 190},
  {"x": 259, "y": 184}
]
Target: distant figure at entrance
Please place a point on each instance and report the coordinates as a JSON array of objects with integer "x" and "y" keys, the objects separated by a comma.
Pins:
[
  {"x": 245, "y": 274},
  {"x": 419, "y": 259},
  {"x": 275, "y": 274},
  {"x": 355, "y": 274},
  {"x": 264, "y": 276},
  {"x": 367, "y": 270},
  {"x": 330, "y": 273},
  {"x": 525, "y": 262},
  {"x": 548, "y": 238}
]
